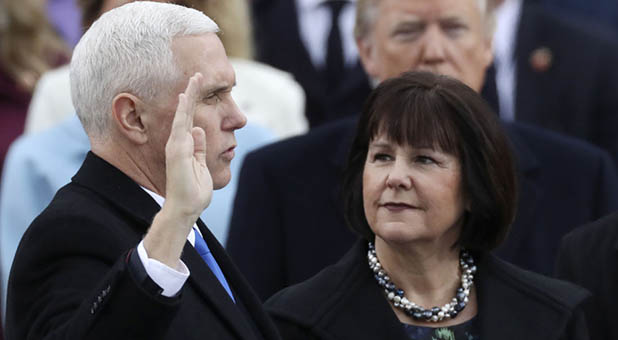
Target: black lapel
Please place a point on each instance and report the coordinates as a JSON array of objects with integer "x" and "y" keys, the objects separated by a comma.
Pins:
[
  {"x": 355, "y": 77},
  {"x": 208, "y": 286},
  {"x": 240, "y": 288},
  {"x": 535, "y": 88},
  {"x": 363, "y": 312},
  {"x": 530, "y": 191},
  {"x": 339, "y": 157},
  {"x": 118, "y": 189},
  {"x": 505, "y": 305}
]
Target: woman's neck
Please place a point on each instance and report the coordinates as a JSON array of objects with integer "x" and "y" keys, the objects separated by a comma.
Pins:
[{"x": 428, "y": 275}]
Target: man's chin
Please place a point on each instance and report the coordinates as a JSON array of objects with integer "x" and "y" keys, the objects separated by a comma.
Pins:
[{"x": 221, "y": 179}]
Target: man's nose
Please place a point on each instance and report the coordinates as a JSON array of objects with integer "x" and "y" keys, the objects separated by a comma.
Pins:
[
  {"x": 433, "y": 46},
  {"x": 234, "y": 119},
  {"x": 399, "y": 176}
]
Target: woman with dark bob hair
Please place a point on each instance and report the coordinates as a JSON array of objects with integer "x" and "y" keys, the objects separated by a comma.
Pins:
[{"x": 430, "y": 187}]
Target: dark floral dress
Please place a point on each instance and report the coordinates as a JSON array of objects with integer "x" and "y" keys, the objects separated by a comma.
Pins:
[{"x": 468, "y": 330}]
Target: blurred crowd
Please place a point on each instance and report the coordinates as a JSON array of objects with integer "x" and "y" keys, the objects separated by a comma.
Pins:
[{"x": 304, "y": 69}]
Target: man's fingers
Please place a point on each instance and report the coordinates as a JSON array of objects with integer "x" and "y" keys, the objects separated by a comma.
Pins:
[
  {"x": 192, "y": 93},
  {"x": 178, "y": 124},
  {"x": 187, "y": 105},
  {"x": 199, "y": 145}
]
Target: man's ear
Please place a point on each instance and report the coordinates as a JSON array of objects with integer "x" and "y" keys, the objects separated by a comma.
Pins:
[
  {"x": 127, "y": 110},
  {"x": 366, "y": 53}
]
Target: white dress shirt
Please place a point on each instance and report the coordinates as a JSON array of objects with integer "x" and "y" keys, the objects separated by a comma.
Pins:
[
  {"x": 315, "y": 22},
  {"x": 505, "y": 37}
]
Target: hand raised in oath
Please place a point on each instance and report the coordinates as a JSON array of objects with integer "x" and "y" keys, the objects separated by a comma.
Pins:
[{"x": 189, "y": 184}]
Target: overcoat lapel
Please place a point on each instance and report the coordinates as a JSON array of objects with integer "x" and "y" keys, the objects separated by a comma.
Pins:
[
  {"x": 609, "y": 289},
  {"x": 118, "y": 190},
  {"x": 208, "y": 286},
  {"x": 338, "y": 160},
  {"x": 241, "y": 290},
  {"x": 503, "y": 321},
  {"x": 531, "y": 82},
  {"x": 530, "y": 191},
  {"x": 363, "y": 312}
]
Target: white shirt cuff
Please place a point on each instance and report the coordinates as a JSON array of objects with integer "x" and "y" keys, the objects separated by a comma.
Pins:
[{"x": 169, "y": 279}]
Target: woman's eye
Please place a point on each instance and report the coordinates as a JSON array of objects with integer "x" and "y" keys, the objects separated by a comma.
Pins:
[
  {"x": 381, "y": 157},
  {"x": 425, "y": 160}
]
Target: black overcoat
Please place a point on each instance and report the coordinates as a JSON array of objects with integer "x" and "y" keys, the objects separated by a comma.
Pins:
[
  {"x": 344, "y": 302},
  {"x": 71, "y": 277}
]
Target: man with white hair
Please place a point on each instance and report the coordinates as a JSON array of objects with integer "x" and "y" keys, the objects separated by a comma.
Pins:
[{"x": 120, "y": 251}]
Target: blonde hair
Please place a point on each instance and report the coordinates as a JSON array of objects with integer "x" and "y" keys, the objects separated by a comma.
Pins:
[
  {"x": 366, "y": 11},
  {"x": 28, "y": 44},
  {"x": 233, "y": 19}
]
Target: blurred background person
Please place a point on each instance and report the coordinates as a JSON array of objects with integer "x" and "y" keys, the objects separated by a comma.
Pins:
[
  {"x": 430, "y": 186},
  {"x": 269, "y": 97},
  {"x": 588, "y": 257},
  {"x": 65, "y": 17},
  {"x": 298, "y": 180},
  {"x": 312, "y": 39},
  {"x": 556, "y": 72},
  {"x": 28, "y": 47}
]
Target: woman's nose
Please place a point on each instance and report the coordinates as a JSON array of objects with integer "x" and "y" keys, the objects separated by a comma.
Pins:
[{"x": 399, "y": 176}]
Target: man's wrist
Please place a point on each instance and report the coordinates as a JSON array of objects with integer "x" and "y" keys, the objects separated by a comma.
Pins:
[
  {"x": 178, "y": 213},
  {"x": 166, "y": 237}
]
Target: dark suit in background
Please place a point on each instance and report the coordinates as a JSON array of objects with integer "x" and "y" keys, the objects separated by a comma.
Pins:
[
  {"x": 345, "y": 302},
  {"x": 288, "y": 221},
  {"x": 589, "y": 257},
  {"x": 603, "y": 11},
  {"x": 75, "y": 273},
  {"x": 279, "y": 44},
  {"x": 576, "y": 93}
]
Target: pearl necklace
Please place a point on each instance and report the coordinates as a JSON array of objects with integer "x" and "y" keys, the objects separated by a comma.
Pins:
[{"x": 435, "y": 314}]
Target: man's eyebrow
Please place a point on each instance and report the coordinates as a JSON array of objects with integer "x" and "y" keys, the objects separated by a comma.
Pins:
[
  {"x": 452, "y": 19},
  {"x": 411, "y": 22},
  {"x": 221, "y": 88}
]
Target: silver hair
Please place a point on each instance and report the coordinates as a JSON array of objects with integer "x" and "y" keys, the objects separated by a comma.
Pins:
[
  {"x": 366, "y": 11},
  {"x": 128, "y": 49}
]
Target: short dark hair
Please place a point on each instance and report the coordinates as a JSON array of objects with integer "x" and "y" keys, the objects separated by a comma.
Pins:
[{"x": 422, "y": 109}]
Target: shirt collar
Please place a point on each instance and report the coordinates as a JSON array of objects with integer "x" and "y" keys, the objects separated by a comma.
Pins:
[
  {"x": 160, "y": 200},
  {"x": 313, "y": 4},
  {"x": 507, "y": 20}
]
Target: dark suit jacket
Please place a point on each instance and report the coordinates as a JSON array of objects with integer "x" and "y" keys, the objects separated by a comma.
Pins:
[
  {"x": 345, "y": 302},
  {"x": 578, "y": 94},
  {"x": 288, "y": 203},
  {"x": 72, "y": 279},
  {"x": 589, "y": 257},
  {"x": 279, "y": 44}
]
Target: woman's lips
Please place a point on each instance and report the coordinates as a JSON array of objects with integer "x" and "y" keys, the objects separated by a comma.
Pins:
[{"x": 395, "y": 207}]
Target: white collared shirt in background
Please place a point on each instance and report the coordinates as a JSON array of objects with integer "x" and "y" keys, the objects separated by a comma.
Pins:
[
  {"x": 507, "y": 21},
  {"x": 314, "y": 18}
]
